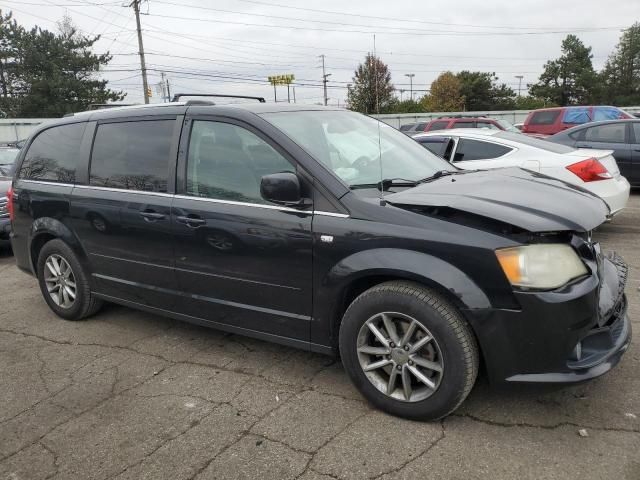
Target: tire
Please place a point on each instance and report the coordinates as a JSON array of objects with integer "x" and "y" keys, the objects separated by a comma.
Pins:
[
  {"x": 85, "y": 303},
  {"x": 451, "y": 354}
]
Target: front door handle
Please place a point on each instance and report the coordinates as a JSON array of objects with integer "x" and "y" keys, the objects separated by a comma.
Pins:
[
  {"x": 151, "y": 216},
  {"x": 191, "y": 221},
  {"x": 584, "y": 146}
]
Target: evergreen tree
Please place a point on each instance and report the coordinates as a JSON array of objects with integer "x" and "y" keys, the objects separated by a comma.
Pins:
[
  {"x": 621, "y": 73},
  {"x": 47, "y": 74},
  {"x": 372, "y": 90},
  {"x": 570, "y": 79}
]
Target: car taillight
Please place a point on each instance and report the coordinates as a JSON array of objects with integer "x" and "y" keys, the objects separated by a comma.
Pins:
[
  {"x": 10, "y": 203},
  {"x": 590, "y": 170}
]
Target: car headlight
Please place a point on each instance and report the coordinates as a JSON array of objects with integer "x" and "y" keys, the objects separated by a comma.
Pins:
[{"x": 541, "y": 266}]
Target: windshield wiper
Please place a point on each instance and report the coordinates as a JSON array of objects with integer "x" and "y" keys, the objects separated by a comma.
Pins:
[
  {"x": 441, "y": 173},
  {"x": 387, "y": 183}
]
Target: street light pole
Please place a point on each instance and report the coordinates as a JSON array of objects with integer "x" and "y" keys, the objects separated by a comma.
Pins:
[
  {"x": 410, "y": 75},
  {"x": 519, "y": 77}
]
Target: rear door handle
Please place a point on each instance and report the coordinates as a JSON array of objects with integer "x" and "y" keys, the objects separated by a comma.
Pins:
[
  {"x": 584, "y": 146},
  {"x": 151, "y": 216},
  {"x": 192, "y": 222}
]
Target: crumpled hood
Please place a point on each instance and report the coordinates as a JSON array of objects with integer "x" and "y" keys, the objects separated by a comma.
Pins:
[{"x": 525, "y": 199}]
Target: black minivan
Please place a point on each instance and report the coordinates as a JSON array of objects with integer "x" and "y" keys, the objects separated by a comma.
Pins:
[{"x": 326, "y": 230}]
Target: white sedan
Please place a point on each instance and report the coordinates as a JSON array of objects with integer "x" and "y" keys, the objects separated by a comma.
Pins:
[{"x": 479, "y": 149}]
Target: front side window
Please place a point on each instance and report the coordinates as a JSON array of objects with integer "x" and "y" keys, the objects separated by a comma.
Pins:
[
  {"x": 478, "y": 150},
  {"x": 53, "y": 154},
  {"x": 358, "y": 149},
  {"x": 227, "y": 162},
  {"x": 438, "y": 126},
  {"x": 611, "y": 133},
  {"x": 577, "y": 115},
  {"x": 436, "y": 145},
  {"x": 607, "y": 113},
  {"x": 132, "y": 155}
]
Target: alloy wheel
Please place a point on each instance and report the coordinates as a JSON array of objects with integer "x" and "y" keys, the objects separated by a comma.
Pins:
[
  {"x": 60, "y": 281},
  {"x": 400, "y": 357}
]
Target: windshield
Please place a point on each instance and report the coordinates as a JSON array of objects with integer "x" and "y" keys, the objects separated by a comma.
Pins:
[
  {"x": 507, "y": 126},
  {"x": 351, "y": 145},
  {"x": 535, "y": 142},
  {"x": 7, "y": 159}
]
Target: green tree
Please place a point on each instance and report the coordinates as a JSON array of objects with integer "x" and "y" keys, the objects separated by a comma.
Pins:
[
  {"x": 372, "y": 90},
  {"x": 51, "y": 74},
  {"x": 445, "y": 94},
  {"x": 570, "y": 79},
  {"x": 527, "y": 102},
  {"x": 621, "y": 74},
  {"x": 405, "y": 106},
  {"x": 481, "y": 91}
]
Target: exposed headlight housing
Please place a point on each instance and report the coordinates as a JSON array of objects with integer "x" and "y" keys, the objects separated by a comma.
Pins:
[{"x": 541, "y": 266}]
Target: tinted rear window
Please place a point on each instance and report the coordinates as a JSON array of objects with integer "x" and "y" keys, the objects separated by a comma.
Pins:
[
  {"x": 544, "y": 118},
  {"x": 132, "y": 155},
  {"x": 534, "y": 142},
  {"x": 53, "y": 154},
  {"x": 478, "y": 150},
  {"x": 438, "y": 125}
]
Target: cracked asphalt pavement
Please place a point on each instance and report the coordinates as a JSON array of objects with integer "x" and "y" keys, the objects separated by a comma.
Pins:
[{"x": 129, "y": 395}]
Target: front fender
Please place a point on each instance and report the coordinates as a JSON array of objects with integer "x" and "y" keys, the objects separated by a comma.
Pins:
[
  {"x": 53, "y": 227},
  {"x": 393, "y": 263}
]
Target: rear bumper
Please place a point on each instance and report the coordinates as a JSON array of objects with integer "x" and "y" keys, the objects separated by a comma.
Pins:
[
  {"x": 614, "y": 192},
  {"x": 568, "y": 335}
]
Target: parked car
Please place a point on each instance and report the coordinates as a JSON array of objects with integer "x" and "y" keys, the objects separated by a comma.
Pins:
[
  {"x": 462, "y": 121},
  {"x": 5, "y": 222},
  {"x": 8, "y": 157},
  {"x": 412, "y": 278},
  {"x": 593, "y": 170},
  {"x": 409, "y": 128},
  {"x": 621, "y": 136},
  {"x": 549, "y": 121}
]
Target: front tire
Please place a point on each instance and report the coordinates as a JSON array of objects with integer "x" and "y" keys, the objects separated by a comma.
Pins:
[
  {"x": 408, "y": 350},
  {"x": 64, "y": 283}
]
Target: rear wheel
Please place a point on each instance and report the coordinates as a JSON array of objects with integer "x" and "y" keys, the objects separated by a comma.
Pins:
[
  {"x": 408, "y": 350},
  {"x": 63, "y": 282}
]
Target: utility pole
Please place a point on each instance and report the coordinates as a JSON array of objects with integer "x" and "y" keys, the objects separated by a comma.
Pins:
[
  {"x": 324, "y": 80},
  {"x": 519, "y": 77},
  {"x": 145, "y": 85},
  {"x": 410, "y": 75}
]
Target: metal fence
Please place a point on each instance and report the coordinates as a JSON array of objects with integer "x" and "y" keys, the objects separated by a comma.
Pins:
[
  {"x": 513, "y": 116},
  {"x": 13, "y": 129}
]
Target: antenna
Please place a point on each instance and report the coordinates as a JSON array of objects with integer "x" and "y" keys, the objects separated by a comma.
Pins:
[{"x": 375, "y": 79}]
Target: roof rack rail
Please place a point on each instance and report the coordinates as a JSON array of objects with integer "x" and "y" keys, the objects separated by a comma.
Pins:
[
  {"x": 469, "y": 115},
  {"x": 177, "y": 96}
]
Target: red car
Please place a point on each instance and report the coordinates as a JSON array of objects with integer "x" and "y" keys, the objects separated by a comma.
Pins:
[
  {"x": 445, "y": 123},
  {"x": 549, "y": 121}
]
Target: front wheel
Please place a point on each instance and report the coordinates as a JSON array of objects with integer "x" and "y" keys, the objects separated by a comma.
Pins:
[{"x": 408, "y": 350}]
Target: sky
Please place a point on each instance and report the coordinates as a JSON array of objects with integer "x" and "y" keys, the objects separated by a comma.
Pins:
[{"x": 232, "y": 46}]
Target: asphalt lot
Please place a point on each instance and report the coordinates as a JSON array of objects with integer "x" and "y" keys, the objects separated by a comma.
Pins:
[{"x": 129, "y": 395}]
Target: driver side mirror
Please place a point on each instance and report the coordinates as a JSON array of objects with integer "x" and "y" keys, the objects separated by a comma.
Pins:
[{"x": 282, "y": 188}]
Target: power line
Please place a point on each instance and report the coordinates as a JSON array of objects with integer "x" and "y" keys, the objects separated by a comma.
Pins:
[{"x": 440, "y": 33}]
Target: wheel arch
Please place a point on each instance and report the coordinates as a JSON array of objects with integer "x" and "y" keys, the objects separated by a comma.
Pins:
[
  {"x": 43, "y": 230},
  {"x": 363, "y": 270}
]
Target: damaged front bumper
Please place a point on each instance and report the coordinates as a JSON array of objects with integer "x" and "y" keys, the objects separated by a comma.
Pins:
[{"x": 572, "y": 334}]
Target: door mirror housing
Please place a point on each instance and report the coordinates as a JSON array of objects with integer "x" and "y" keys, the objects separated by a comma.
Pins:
[{"x": 282, "y": 188}]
